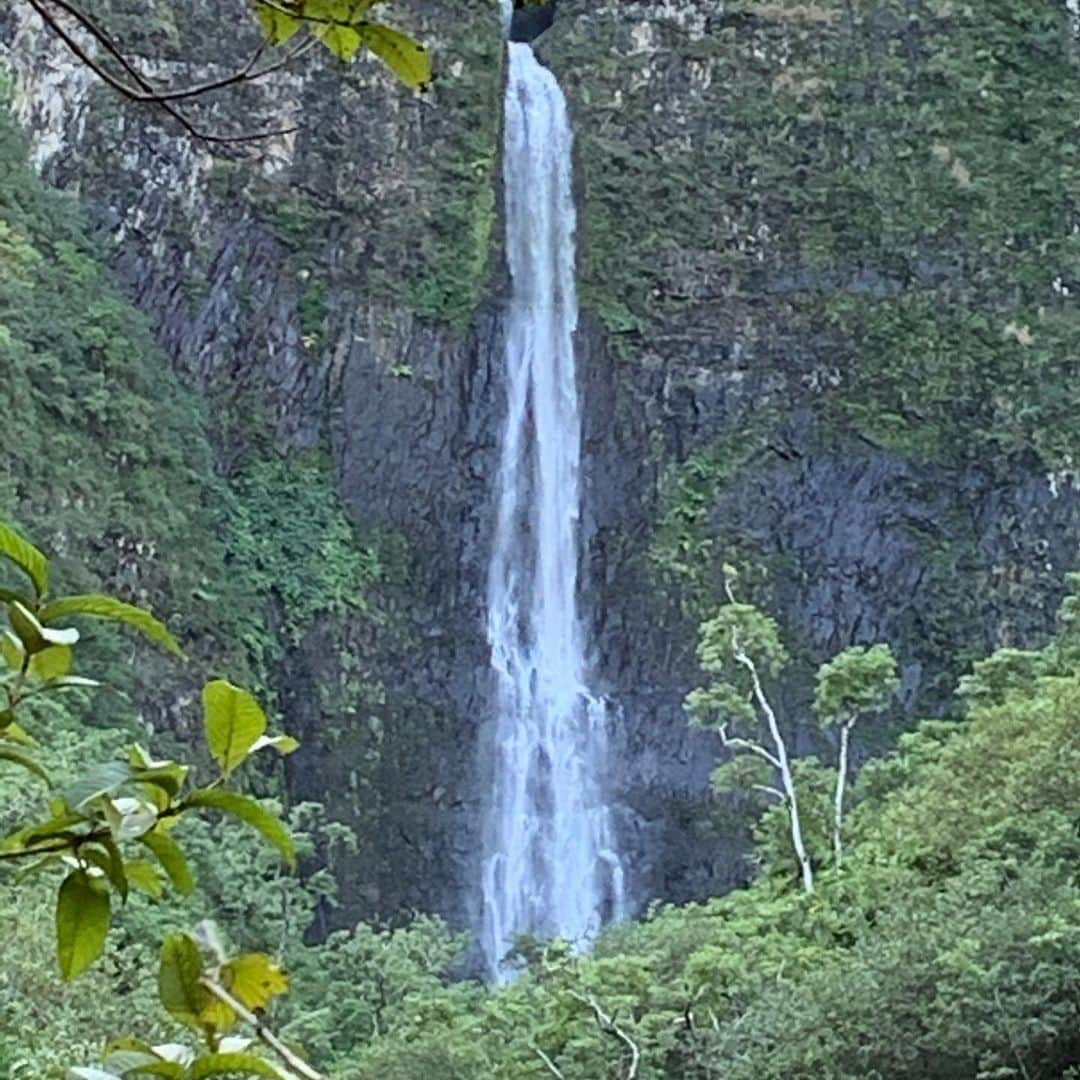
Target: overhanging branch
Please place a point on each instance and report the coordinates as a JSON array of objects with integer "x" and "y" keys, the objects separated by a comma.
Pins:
[{"x": 137, "y": 88}]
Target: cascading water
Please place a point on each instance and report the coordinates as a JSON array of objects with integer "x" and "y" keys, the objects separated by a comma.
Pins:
[{"x": 552, "y": 866}]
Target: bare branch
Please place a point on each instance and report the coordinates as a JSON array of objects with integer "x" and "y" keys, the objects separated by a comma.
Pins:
[
  {"x": 265, "y": 1035},
  {"x": 143, "y": 91},
  {"x": 551, "y": 1066},
  {"x": 733, "y": 742},
  {"x": 609, "y": 1027},
  {"x": 775, "y": 792}
]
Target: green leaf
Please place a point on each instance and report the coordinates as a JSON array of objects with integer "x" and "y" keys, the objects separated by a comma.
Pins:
[
  {"x": 34, "y": 635},
  {"x": 169, "y": 777},
  {"x": 407, "y": 59},
  {"x": 278, "y": 26},
  {"x": 234, "y": 722},
  {"x": 17, "y": 757},
  {"x": 26, "y": 557},
  {"x": 343, "y": 41},
  {"x": 171, "y": 858},
  {"x": 251, "y": 812},
  {"x": 9, "y": 729},
  {"x": 8, "y": 596},
  {"x": 82, "y": 923},
  {"x": 144, "y": 876},
  {"x": 105, "y": 607},
  {"x": 108, "y": 859},
  {"x": 102, "y": 779},
  {"x": 168, "y": 1069},
  {"x": 254, "y": 979},
  {"x": 52, "y": 663},
  {"x": 178, "y": 980},
  {"x": 283, "y": 744},
  {"x": 90, "y": 1073},
  {"x": 11, "y": 649},
  {"x": 222, "y": 1064}
]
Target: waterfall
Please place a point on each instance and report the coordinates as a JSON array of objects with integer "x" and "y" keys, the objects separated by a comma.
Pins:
[{"x": 551, "y": 864}]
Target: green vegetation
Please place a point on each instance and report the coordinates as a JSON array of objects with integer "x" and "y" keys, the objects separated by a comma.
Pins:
[
  {"x": 946, "y": 944},
  {"x": 892, "y": 185}
]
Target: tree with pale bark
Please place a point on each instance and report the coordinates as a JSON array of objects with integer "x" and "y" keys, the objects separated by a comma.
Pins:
[
  {"x": 853, "y": 685},
  {"x": 740, "y": 648}
]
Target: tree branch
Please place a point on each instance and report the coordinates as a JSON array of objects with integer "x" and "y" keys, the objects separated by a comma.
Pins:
[
  {"x": 265, "y": 1035},
  {"x": 734, "y": 743},
  {"x": 144, "y": 92},
  {"x": 551, "y": 1066},
  {"x": 775, "y": 792},
  {"x": 609, "y": 1027},
  {"x": 783, "y": 763}
]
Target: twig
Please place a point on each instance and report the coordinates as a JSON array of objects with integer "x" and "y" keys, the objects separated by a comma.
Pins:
[{"x": 265, "y": 1035}]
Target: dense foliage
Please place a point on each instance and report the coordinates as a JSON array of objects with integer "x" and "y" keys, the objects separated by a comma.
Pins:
[{"x": 947, "y": 945}]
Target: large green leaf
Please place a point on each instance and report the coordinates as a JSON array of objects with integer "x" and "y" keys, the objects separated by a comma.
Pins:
[
  {"x": 8, "y": 596},
  {"x": 108, "y": 859},
  {"x": 406, "y": 58},
  {"x": 17, "y": 757},
  {"x": 34, "y": 635},
  {"x": 234, "y": 722},
  {"x": 144, "y": 875},
  {"x": 82, "y": 923},
  {"x": 251, "y": 812},
  {"x": 105, "y": 607},
  {"x": 52, "y": 663},
  {"x": 277, "y": 25},
  {"x": 26, "y": 557},
  {"x": 171, "y": 858},
  {"x": 343, "y": 41},
  {"x": 232, "y": 1065},
  {"x": 101, "y": 779},
  {"x": 183, "y": 997},
  {"x": 254, "y": 979}
]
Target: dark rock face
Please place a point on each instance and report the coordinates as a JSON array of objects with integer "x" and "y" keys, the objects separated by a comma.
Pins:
[
  {"x": 529, "y": 21},
  {"x": 335, "y": 288}
]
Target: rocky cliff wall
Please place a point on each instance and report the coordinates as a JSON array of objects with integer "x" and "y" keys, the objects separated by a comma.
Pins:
[{"x": 829, "y": 260}]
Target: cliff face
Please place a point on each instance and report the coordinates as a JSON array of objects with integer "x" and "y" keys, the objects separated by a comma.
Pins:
[{"x": 829, "y": 260}]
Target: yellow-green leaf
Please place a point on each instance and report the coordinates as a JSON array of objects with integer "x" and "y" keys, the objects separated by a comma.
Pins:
[
  {"x": 171, "y": 858},
  {"x": 52, "y": 663},
  {"x": 108, "y": 859},
  {"x": 17, "y": 757},
  {"x": 232, "y": 1065},
  {"x": 234, "y": 722},
  {"x": 277, "y": 25},
  {"x": 283, "y": 744},
  {"x": 178, "y": 980},
  {"x": 255, "y": 979},
  {"x": 26, "y": 557},
  {"x": 251, "y": 812},
  {"x": 34, "y": 635},
  {"x": 343, "y": 41},
  {"x": 144, "y": 875},
  {"x": 105, "y": 607},
  {"x": 11, "y": 649},
  {"x": 82, "y": 923},
  {"x": 406, "y": 58}
]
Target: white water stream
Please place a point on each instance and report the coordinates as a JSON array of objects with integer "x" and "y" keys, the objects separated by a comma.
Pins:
[{"x": 551, "y": 865}]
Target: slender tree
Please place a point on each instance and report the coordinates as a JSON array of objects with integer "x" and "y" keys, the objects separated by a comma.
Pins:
[
  {"x": 734, "y": 647},
  {"x": 856, "y": 683}
]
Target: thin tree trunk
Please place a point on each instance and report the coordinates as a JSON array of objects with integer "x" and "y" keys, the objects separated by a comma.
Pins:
[
  {"x": 841, "y": 782},
  {"x": 786, "y": 778}
]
